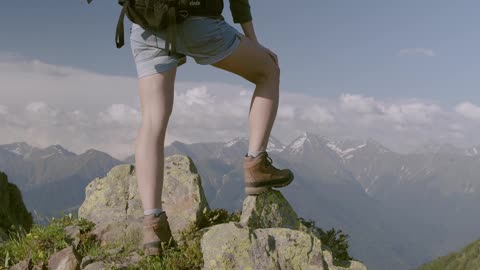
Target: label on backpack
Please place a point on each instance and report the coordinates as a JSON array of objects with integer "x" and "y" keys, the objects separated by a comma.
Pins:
[{"x": 197, "y": 4}]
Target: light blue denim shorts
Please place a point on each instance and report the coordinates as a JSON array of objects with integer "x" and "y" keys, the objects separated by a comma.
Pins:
[{"x": 206, "y": 39}]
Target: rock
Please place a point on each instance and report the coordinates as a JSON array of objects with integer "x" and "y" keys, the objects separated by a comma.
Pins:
[
  {"x": 268, "y": 236},
  {"x": 73, "y": 234},
  {"x": 12, "y": 211},
  {"x": 114, "y": 205},
  {"x": 86, "y": 261},
  {"x": 268, "y": 210},
  {"x": 23, "y": 265},
  {"x": 65, "y": 259},
  {"x": 134, "y": 258},
  {"x": 352, "y": 265},
  {"x": 72, "y": 231},
  {"x": 232, "y": 246},
  {"x": 40, "y": 266},
  {"x": 183, "y": 196},
  {"x": 95, "y": 266},
  {"x": 115, "y": 250}
]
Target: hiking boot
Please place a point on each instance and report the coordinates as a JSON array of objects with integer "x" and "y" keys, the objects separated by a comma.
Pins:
[
  {"x": 261, "y": 175},
  {"x": 156, "y": 234}
]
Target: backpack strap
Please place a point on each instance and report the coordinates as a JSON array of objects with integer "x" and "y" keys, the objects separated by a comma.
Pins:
[
  {"x": 171, "y": 40},
  {"x": 119, "y": 34}
]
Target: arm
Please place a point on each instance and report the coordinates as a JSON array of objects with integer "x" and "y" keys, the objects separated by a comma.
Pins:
[
  {"x": 249, "y": 31},
  {"x": 241, "y": 14}
]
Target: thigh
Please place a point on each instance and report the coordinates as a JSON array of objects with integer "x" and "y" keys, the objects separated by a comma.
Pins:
[
  {"x": 149, "y": 52},
  {"x": 208, "y": 39},
  {"x": 156, "y": 97},
  {"x": 249, "y": 60}
]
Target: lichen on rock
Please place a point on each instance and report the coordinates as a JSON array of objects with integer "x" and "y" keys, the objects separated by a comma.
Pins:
[
  {"x": 232, "y": 246},
  {"x": 268, "y": 210},
  {"x": 114, "y": 205},
  {"x": 268, "y": 236}
]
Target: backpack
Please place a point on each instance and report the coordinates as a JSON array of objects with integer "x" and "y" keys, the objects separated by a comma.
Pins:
[{"x": 157, "y": 15}]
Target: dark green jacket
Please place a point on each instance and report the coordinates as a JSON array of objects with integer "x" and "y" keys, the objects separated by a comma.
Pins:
[{"x": 240, "y": 11}]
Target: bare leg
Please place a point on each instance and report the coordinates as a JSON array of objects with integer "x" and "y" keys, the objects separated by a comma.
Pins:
[
  {"x": 156, "y": 95},
  {"x": 253, "y": 63}
]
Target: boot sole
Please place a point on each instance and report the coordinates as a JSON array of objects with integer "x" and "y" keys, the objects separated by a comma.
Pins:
[{"x": 259, "y": 190}]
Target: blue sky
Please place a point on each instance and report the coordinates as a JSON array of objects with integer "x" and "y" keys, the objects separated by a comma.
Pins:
[{"x": 325, "y": 47}]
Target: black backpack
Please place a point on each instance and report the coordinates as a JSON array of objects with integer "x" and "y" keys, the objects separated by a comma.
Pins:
[{"x": 157, "y": 15}]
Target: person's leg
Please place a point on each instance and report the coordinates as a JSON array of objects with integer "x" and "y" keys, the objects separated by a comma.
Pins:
[
  {"x": 156, "y": 95},
  {"x": 253, "y": 63}
]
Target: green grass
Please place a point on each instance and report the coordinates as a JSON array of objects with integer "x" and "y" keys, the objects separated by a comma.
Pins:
[
  {"x": 466, "y": 259},
  {"x": 43, "y": 240},
  {"x": 335, "y": 240},
  {"x": 188, "y": 254}
]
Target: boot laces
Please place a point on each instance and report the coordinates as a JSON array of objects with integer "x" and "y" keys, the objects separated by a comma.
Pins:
[{"x": 268, "y": 160}]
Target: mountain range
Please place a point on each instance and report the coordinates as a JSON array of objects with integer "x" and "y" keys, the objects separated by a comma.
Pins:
[{"x": 400, "y": 210}]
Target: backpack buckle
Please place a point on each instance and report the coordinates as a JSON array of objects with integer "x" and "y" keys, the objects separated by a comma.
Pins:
[{"x": 184, "y": 13}]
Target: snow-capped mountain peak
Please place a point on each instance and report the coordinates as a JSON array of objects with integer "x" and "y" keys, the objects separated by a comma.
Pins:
[
  {"x": 236, "y": 140},
  {"x": 53, "y": 150},
  {"x": 19, "y": 148},
  {"x": 299, "y": 144},
  {"x": 472, "y": 152},
  {"x": 307, "y": 140},
  {"x": 345, "y": 153},
  {"x": 275, "y": 145}
]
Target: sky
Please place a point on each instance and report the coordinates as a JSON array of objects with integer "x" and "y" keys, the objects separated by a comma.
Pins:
[{"x": 402, "y": 72}]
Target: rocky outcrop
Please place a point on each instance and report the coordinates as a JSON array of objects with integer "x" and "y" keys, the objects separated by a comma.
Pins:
[
  {"x": 23, "y": 265},
  {"x": 12, "y": 208},
  {"x": 268, "y": 210},
  {"x": 114, "y": 205},
  {"x": 268, "y": 236},
  {"x": 65, "y": 259},
  {"x": 232, "y": 246}
]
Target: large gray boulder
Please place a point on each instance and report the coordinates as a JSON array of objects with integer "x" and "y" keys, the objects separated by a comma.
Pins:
[
  {"x": 113, "y": 202},
  {"x": 268, "y": 236},
  {"x": 65, "y": 259},
  {"x": 232, "y": 246},
  {"x": 268, "y": 210}
]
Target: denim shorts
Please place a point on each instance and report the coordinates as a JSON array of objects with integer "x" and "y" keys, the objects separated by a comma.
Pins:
[{"x": 206, "y": 39}]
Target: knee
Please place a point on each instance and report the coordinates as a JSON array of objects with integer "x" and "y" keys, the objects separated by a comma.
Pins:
[
  {"x": 269, "y": 74},
  {"x": 156, "y": 123}
]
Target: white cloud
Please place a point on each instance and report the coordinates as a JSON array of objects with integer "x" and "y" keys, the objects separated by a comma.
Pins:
[
  {"x": 119, "y": 114},
  {"x": 318, "y": 115},
  {"x": 468, "y": 110},
  {"x": 45, "y": 104},
  {"x": 3, "y": 109},
  {"x": 286, "y": 111},
  {"x": 360, "y": 104},
  {"x": 413, "y": 113},
  {"x": 417, "y": 51},
  {"x": 197, "y": 95}
]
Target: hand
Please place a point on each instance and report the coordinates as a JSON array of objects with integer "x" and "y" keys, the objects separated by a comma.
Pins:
[{"x": 272, "y": 54}]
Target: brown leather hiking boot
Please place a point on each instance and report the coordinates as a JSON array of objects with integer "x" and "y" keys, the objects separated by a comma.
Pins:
[
  {"x": 156, "y": 234},
  {"x": 261, "y": 175}
]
